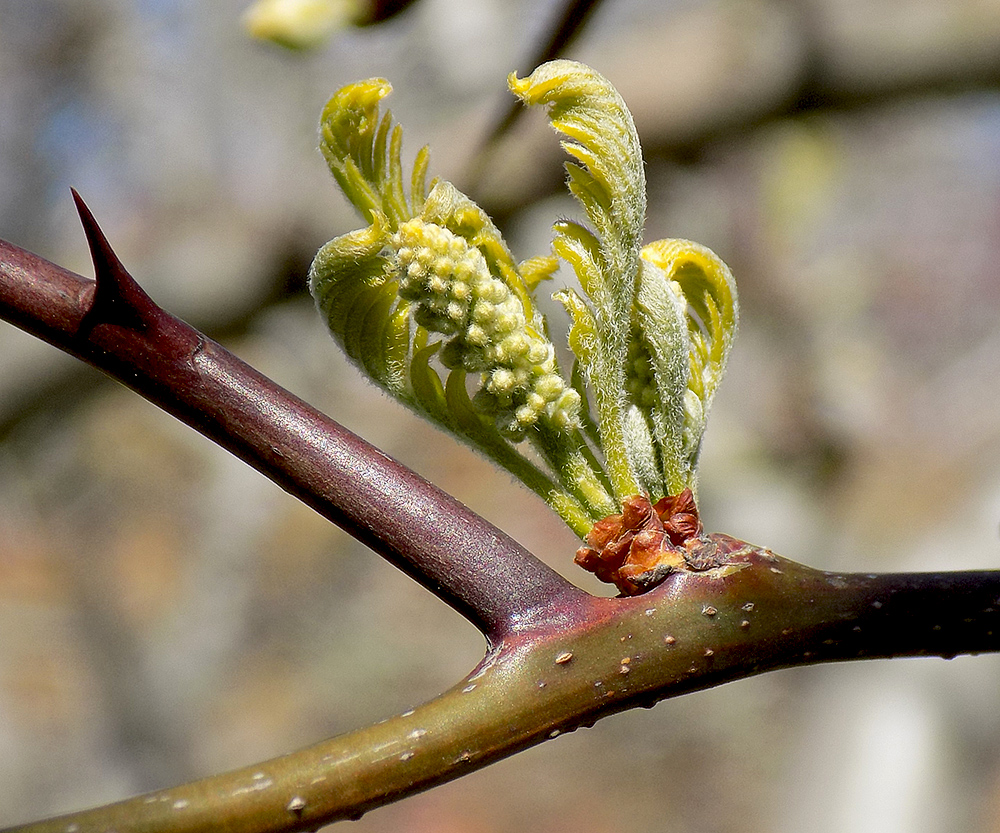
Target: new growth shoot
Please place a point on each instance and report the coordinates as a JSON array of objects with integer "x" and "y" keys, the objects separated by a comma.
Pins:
[{"x": 429, "y": 302}]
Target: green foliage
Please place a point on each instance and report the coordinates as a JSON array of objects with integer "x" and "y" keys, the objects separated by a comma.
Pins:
[
  {"x": 430, "y": 303},
  {"x": 300, "y": 24}
]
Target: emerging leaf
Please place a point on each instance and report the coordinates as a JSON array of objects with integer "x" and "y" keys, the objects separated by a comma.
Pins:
[
  {"x": 610, "y": 182},
  {"x": 430, "y": 288},
  {"x": 688, "y": 312},
  {"x": 654, "y": 344}
]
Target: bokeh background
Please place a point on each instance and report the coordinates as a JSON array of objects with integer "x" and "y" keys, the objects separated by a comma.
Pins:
[{"x": 166, "y": 613}]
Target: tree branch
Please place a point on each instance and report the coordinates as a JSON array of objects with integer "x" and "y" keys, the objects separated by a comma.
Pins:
[
  {"x": 558, "y": 657},
  {"x": 113, "y": 325},
  {"x": 756, "y": 613}
]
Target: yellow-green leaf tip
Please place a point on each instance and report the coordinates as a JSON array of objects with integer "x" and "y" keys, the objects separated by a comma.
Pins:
[{"x": 299, "y": 24}]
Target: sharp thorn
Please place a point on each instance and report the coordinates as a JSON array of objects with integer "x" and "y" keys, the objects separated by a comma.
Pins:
[{"x": 118, "y": 299}]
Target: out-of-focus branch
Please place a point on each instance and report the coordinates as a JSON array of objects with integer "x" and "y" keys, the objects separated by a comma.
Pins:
[
  {"x": 682, "y": 109},
  {"x": 825, "y": 85},
  {"x": 112, "y": 324},
  {"x": 564, "y": 30}
]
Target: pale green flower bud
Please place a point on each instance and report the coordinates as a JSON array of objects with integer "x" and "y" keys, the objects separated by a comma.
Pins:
[{"x": 454, "y": 293}]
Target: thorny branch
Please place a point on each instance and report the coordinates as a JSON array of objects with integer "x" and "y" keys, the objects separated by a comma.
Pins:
[
  {"x": 557, "y": 659},
  {"x": 113, "y": 325}
]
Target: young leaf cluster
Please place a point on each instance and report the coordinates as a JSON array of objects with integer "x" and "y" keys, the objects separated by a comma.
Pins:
[{"x": 430, "y": 303}]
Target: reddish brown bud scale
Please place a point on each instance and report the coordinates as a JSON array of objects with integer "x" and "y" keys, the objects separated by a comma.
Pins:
[{"x": 639, "y": 548}]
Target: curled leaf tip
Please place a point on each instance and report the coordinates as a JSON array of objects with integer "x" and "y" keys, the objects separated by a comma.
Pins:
[
  {"x": 607, "y": 177},
  {"x": 687, "y": 310}
]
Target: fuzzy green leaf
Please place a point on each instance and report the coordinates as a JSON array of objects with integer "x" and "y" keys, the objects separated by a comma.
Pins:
[
  {"x": 437, "y": 265},
  {"x": 362, "y": 149},
  {"x": 688, "y": 310}
]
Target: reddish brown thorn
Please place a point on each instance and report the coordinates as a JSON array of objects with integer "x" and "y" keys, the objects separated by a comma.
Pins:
[{"x": 118, "y": 299}]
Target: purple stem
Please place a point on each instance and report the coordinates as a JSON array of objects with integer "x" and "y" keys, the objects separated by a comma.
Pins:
[{"x": 112, "y": 324}]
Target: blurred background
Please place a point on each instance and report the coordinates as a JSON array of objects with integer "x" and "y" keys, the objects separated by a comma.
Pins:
[{"x": 167, "y": 613}]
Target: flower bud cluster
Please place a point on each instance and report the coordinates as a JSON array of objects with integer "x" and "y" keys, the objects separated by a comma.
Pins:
[{"x": 455, "y": 294}]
